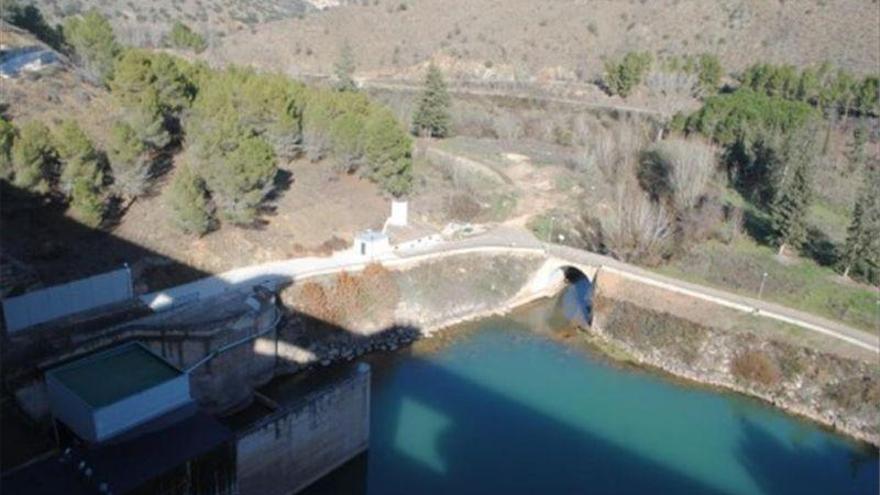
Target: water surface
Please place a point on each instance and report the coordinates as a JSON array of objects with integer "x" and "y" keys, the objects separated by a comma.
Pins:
[{"x": 509, "y": 406}]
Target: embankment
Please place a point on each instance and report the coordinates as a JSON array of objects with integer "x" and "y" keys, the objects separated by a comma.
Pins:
[
  {"x": 705, "y": 343},
  {"x": 343, "y": 316}
]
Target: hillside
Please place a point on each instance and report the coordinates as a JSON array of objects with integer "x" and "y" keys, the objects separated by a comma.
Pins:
[
  {"x": 563, "y": 39},
  {"x": 144, "y": 23}
]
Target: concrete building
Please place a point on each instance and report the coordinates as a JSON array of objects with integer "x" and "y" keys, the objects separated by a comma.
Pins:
[
  {"x": 371, "y": 243},
  {"x": 103, "y": 395}
]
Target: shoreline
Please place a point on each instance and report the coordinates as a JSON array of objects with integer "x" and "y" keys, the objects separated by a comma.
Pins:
[{"x": 617, "y": 354}]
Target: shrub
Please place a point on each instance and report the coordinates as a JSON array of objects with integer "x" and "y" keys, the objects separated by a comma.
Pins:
[
  {"x": 624, "y": 76},
  {"x": 633, "y": 228},
  {"x": 462, "y": 207},
  {"x": 350, "y": 300},
  {"x": 681, "y": 169},
  {"x": 709, "y": 73},
  {"x": 184, "y": 38},
  {"x": 756, "y": 366}
]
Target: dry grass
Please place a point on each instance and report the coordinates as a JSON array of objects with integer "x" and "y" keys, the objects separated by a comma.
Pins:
[
  {"x": 564, "y": 40},
  {"x": 350, "y": 300},
  {"x": 756, "y": 366}
]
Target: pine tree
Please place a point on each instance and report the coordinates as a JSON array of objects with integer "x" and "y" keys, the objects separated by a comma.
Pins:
[
  {"x": 33, "y": 157},
  {"x": 94, "y": 44},
  {"x": 7, "y": 138},
  {"x": 344, "y": 69},
  {"x": 189, "y": 202},
  {"x": 432, "y": 118},
  {"x": 241, "y": 179},
  {"x": 388, "y": 152},
  {"x": 129, "y": 161},
  {"x": 863, "y": 235},
  {"x": 86, "y": 203},
  {"x": 78, "y": 157},
  {"x": 789, "y": 210}
]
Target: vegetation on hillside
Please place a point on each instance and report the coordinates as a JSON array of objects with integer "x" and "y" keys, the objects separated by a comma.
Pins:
[
  {"x": 827, "y": 89},
  {"x": 29, "y": 18},
  {"x": 233, "y": 124},
  {"x": 621, "y": 77},
  {"x": 183, "y": 37}
]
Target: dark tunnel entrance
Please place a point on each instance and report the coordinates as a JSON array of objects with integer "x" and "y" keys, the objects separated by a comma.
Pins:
[{"x": 577, "y": 298}]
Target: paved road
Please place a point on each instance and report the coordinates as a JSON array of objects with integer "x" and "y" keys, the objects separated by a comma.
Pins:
[
  {"x": 502, "y": 239},
  {"x": 758, "y": 307}
]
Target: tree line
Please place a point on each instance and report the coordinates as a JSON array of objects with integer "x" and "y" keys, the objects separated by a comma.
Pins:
[{"x": 771, "y": 152}]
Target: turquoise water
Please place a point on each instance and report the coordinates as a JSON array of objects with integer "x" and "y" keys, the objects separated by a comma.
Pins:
[{"x": 511, "y": 407}]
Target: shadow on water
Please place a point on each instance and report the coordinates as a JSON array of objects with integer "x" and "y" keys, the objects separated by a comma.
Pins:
[
  {"x": 451, "y": 435},
  {"x": 578, "y": 462},
  {"x": 781, "y": 467}
]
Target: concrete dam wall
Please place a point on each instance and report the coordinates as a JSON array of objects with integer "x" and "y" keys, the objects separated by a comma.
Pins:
[{"x": 285, "y": 452}]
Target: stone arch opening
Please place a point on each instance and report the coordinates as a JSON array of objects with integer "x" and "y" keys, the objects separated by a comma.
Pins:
[{"x": 577, "y": 297}]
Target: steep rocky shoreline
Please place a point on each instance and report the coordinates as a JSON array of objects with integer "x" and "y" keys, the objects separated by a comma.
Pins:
[{"x": 839, "y": 393}]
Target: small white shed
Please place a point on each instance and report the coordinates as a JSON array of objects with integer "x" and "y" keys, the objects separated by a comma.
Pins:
[{"x": 371, "y": 243}]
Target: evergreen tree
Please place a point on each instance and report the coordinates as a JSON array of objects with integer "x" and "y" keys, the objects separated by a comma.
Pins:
[
  {"x": 241, "y": 179},
  {"x": 33, "y": 157},
  {"x": 148, "y": 122},
  {"x": 77, "y": 156},
  {"x": 141, "y": 78},
  {"x": 189, "y": 204},
  {"x": 86, "y": 203},
  {"x": 432, "y": 117},
  {"x": 863, "y": 235},
  {"x": 93, "y": 43},
  {"x": 621, "y": 78},
  {"x": 388, "y": 153},
  {"x": 788, "y": 213},
  {"x": 129, "y": 161},
  {"x": 7, "y": 138},
  {"x": 344, "y": 69}
]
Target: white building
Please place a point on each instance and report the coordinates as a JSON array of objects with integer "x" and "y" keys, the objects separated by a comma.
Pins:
[{"x": 371, "y": 243}]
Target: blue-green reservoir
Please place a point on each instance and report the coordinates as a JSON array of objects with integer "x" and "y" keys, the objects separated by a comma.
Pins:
[{"x": 511, "y": 405}]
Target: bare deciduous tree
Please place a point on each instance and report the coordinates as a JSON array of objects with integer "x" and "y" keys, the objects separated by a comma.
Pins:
[{"x": 687, "y": 166}]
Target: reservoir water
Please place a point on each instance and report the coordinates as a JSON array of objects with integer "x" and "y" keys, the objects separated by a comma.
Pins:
[{"x": 517, "y": 405}]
